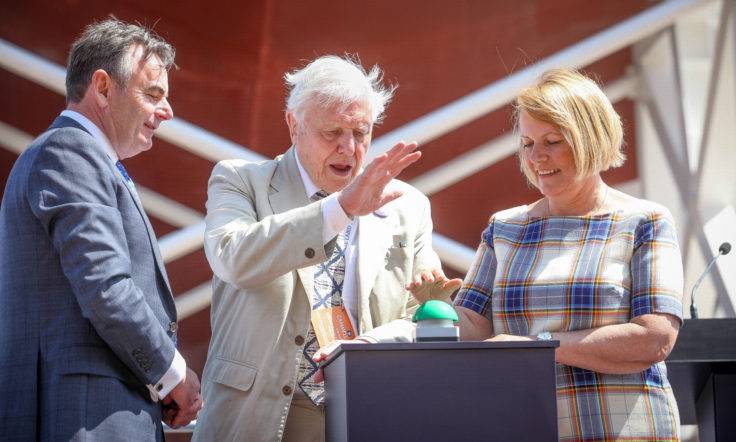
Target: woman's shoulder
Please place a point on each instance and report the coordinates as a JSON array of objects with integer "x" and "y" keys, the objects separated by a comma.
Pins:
[
  {"x": 628, "y": 205},
  {"x": 513, "y": 214}
]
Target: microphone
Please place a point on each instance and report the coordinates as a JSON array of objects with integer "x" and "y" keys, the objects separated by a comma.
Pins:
[{"x": 722, "y": 250}]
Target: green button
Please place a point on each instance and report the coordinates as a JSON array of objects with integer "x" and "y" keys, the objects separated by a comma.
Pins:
[{"x": 435, "y": 309}]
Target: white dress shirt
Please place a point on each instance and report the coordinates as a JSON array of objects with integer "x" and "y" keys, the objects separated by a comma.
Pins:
[{"x": 177, "y": 370}]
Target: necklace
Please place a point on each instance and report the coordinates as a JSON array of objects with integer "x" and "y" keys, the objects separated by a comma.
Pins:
[{"x": 592, "y": 212}]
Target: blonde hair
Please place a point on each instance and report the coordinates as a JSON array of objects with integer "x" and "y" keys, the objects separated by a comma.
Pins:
[{"x": 579, "y": 109}]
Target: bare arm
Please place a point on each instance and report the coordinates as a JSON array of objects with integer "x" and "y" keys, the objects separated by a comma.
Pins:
[
  {"x": 621, "y": 348},
  {"x": 473, "y": 326},
  {"x": 615, "y": 349}
]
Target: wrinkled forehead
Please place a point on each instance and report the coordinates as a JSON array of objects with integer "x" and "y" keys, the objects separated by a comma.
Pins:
[{"x": 354, "y": 113}]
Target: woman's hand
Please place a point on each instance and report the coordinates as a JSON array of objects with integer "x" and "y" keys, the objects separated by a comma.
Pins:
[
  {"x": 508, "y": 338},
  {"x": 433, "y": 285}
]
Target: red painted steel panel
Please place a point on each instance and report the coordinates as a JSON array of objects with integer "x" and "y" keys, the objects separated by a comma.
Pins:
[{"x": 232, "y": 58}]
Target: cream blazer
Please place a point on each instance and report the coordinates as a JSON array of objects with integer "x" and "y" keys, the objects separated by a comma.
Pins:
[{"x": 263, "y": 240}]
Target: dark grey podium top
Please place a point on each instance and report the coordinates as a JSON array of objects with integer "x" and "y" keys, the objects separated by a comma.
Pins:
[
  {"x": 705, "y": 340},
  {"x": 463, "y": 345}
]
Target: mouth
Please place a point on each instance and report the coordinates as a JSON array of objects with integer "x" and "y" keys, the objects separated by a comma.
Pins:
[
  {"x": 343, "y": 170},
  {"x": 547, "y": 172}
]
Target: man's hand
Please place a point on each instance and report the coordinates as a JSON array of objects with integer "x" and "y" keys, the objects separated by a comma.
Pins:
[
  {"x": 367, "y": 192},
  {"x": 183, "y": 403},
  {"x": 433, "y": 285},
  {"x": 325, "y": 352}
]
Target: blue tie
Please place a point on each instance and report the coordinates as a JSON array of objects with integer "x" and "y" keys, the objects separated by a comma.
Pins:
[{"x": 123, "y": 172}]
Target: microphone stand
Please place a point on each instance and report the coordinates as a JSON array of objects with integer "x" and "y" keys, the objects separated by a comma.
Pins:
[{"x": 722, "y": 250}]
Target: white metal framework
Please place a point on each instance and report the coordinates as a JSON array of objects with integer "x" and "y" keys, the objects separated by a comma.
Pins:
[{"x": 682, "y": 82}]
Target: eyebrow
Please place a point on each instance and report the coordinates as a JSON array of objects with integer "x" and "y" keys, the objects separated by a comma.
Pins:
[{"x": 158, "y": 89}]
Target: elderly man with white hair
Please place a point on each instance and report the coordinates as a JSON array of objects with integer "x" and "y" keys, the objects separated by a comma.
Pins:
[{"x": 307, "y": 249}]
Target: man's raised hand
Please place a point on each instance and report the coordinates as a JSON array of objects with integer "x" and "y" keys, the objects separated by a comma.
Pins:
[{"x": 367, "y": 193}]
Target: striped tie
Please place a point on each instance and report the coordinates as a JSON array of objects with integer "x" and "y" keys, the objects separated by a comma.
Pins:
[{"x": 328, "y": 281}]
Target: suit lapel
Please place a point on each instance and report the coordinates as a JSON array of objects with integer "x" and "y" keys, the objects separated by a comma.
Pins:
[
  {"x": 287, "y": 192},
  {"x": 374, "y": 239},
  {"x": 63, "y": 121},
  {"x": 151, "y": 234}
]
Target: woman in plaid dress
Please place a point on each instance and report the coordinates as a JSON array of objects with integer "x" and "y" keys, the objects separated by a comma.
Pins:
[{"x": 587, "y": 265}]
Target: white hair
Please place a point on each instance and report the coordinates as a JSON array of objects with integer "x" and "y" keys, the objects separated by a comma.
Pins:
[{"x": 330, "y": 80}]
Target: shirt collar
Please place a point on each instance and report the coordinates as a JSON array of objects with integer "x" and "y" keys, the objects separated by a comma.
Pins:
[
  {"x": 95, "y": 131},
  {"x": 309, "y": 185}
]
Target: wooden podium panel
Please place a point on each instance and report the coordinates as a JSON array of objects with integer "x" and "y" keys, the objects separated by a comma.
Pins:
[{"x": 452, "y": 391}]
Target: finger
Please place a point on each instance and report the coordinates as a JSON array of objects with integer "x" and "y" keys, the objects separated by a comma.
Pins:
[
  {"x": 396, "y": 150},
  {"x": 175, "y": 419},
  {"x": 181, "y": 419},
  {"x": 376, "y": 163},
  {"x": 194, "y": 409},
  {"x": 168, "y": 416},
  {"x": 395, "y": 158},
  {"x": 427, "y": 276},
  {"x": 402, "y": 148},
  {"x": 398, "y": 166},
  {"x": 318, "y": 355},
  {"x": 454, "y": 284},
  {"x": 400, "y": 155},
  {"x": 323, "y": 353},
  {"x": 171, "y": 414},
  {"x": 319, "y": 376},
  {"x": 440, "y": 280}
]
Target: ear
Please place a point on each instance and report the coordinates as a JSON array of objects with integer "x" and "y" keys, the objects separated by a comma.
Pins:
[
  {"x": 291, "y": 121},
  {"x": 101, "y": 87}
]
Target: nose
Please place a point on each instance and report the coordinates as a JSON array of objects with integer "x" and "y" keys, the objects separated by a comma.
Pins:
[
  {"x": 346, "y": 144},
  {"x": 536, "y": 153},
  {"x": 164, "y": 111}
]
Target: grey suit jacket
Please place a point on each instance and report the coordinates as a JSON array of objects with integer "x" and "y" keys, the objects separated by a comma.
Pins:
[
  {"x": 263, "y": 240},
  {"x": 85, "y": 304}
]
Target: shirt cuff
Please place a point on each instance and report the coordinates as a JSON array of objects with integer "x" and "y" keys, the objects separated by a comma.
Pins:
[
  {"x": 334, "y": 218},
  {"x": 398, "y": 330},
  {"x": 170, "y": 379}
]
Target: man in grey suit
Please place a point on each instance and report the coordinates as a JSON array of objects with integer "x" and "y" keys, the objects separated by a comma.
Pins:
[
  {"x": 87, "y": 317},
  {"x": 306, "y": 249}
]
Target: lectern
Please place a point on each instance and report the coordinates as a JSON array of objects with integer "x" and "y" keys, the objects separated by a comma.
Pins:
[
  {"x": 702, "y": 371},
  {"x": 449, "y": 391}
]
